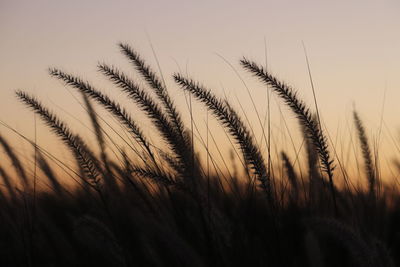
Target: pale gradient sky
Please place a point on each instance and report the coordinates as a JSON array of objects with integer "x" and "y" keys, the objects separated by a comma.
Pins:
[{"x": 353, "y": 47}]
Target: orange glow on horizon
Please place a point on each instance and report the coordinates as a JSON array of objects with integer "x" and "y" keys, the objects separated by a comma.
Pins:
[{"x": 352, "y": 47}]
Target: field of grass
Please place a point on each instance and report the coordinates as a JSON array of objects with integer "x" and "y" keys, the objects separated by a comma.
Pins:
[{"x": 164, "y": 207}]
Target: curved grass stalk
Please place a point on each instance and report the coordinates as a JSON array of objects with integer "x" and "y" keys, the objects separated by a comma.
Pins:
[
  {"x": 231, "y": 120},
  {"x": 155, "y": 83},
  {"x": 73, "y": 141},
  {"x": 366, "y": 152},
  {"x": 114, "y": 108},
  {"x": 303, "y": 113}
]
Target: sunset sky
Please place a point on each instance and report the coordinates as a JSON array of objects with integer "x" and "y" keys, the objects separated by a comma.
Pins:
[{"x": 353, "y": 48}]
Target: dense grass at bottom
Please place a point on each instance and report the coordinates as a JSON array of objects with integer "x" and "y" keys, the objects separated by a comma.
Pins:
[{"x": 176, "y": 229}]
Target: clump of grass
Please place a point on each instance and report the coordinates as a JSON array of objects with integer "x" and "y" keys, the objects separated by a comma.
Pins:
[
  {"x": 160, "y": 209},
  {"x": 152, "y": 109}
]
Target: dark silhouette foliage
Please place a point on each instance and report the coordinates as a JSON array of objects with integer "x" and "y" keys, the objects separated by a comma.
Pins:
[{"x": 160, "y": 207}]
